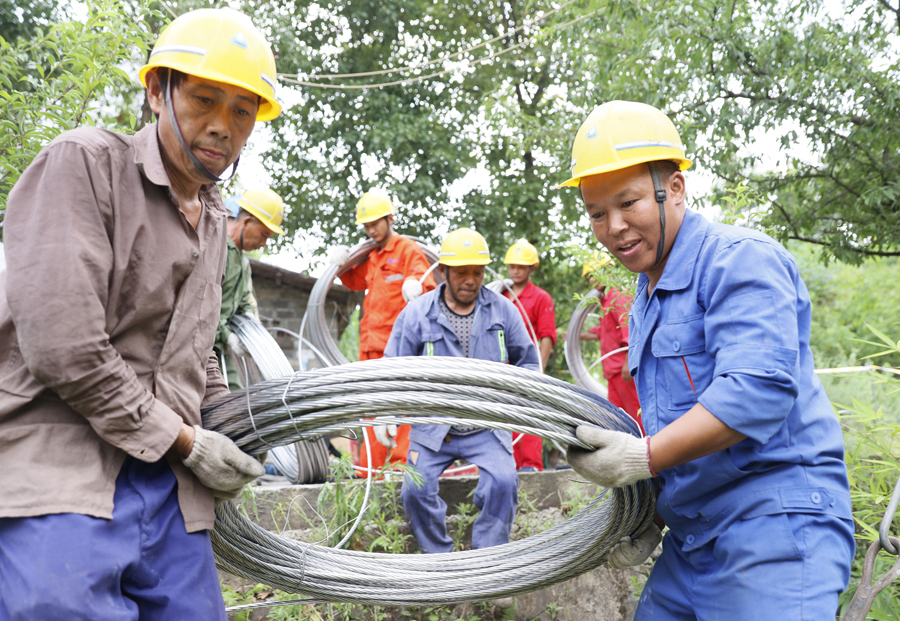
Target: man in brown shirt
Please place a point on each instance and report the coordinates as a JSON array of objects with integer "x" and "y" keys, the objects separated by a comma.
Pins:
[{"x": 115, "y": 250}]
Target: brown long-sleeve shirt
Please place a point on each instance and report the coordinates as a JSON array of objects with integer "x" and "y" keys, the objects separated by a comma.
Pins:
[{"x": 108, "y": 311}]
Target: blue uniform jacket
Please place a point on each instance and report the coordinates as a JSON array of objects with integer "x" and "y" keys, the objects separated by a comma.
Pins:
[
  {"x": 498, "y": 334},
  {"x": 728, "y": 325}
]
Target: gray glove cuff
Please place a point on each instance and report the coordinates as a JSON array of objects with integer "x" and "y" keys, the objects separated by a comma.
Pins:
[{"x": 200, "y": 452}]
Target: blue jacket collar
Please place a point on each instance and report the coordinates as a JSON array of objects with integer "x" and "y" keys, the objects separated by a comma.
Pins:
[{"x": 679, "y": 268}]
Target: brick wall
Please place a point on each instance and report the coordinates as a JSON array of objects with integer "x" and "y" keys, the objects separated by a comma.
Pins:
[{"x": 282, "y": 296}]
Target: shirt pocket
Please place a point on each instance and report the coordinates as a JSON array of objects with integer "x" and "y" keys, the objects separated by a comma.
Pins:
[
  {"x": 391, "y": 273},
  {"x": 210, "y": 303},
  {"x": 433, "y": 345},
  {"x": 680, "y": 347},
  {"x": 495, "y": 342}
]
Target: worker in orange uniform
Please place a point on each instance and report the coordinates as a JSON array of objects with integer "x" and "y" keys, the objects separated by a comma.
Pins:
[
  {"x": 391, "y": 274},
  {"x": 536, "y": 307},
  {"x": 612, "y": 332}
]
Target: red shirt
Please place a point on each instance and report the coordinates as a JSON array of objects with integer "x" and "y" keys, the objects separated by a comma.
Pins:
[
  {"x": 613, "y": 330},
  {"x": 539, "y": 307}
]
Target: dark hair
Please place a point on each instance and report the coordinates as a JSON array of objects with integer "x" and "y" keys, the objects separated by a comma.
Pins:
[
  {"x": 667, "y": 168},
  {"x": 163, "y": 74}
]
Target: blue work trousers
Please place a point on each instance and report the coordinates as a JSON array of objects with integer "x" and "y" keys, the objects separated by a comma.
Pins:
[
  {"x": 141, "y": 565},
  {"x": 783, "y": 566},
  {"x": 496, "y": 494}
]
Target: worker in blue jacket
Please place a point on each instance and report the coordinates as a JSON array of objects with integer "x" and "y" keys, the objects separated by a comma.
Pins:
[
  {"x": 741, "y": 437},
  {"x": 465, "y": 320}
]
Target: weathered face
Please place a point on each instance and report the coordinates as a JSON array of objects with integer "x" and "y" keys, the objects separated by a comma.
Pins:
[
  {"x": 215, "y": 119},
  {"x": 255, "y": 234},
  {"x": 519, "y": 273},
  {"x": 624, "y": 216},
  {"x": 378, "y": 230},
  {"x": 464, "y": 282}
]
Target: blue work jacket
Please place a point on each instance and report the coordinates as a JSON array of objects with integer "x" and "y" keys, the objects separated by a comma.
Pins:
[
  {"x": 728, "y": 326},
  {"x": 498, "y": 334}
]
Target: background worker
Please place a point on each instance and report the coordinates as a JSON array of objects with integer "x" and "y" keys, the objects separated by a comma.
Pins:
[
  {"x": 259, "y": 215},
  {"x": 612, "y": 333},
  {"x": 521, "y": 260},
  {"x": 391, "y": 274},
  {"x": 740, "y": 433},
  {"x": 465, "y": 320},
  {"x": 115, "y": 248}
]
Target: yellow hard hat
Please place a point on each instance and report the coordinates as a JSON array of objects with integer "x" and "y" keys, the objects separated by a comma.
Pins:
[
  {"x": 619, "y": 134},
  {"x": 522, "y": 253},
  {"x": 464, "y": 247},
  {"x": 373, "y": 205},
  {"x": 221, "y": 45},
  {"x": 266, "y": 205},
  {"x": 597, "y": 262}
]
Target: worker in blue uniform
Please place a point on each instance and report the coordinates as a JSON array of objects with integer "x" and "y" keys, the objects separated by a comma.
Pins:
[
  {"x": 463, "y": 319},
  {"x": 742, "y": 440}
]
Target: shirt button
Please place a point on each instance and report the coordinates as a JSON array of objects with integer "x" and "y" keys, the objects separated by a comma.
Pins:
[
  {"x": 816, "y": 497},
  {"x": 689, "y": 539},
  {"x": 195, "y": 254},
  {"x": 676, "y": 345}
]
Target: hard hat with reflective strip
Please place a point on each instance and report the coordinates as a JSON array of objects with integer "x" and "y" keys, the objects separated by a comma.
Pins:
[
  {"x": 373, "y": 205},
  {"x": 221, "y": 45},
  {"x": 619, "y": 134},
  {"x": 266, "y": 205},
  {"x": 522, "y": 253},
  {"x": 464, "y": 247}
]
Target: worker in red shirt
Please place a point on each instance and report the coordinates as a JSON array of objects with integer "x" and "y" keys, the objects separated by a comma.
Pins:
[
  {"x": 612, "y": 332},
  {"x": 391, "y": 274},
  {"x": 536, "y": 307}
]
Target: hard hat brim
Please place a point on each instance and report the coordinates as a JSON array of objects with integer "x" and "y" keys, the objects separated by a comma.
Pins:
[
  {"x": 372, "y": 219},
  {"x": 461, "y": 262},
  {"x": 574, "y": 182},
  {"x": 269, "y": 108},
  {"x": 505, "y": 262}
]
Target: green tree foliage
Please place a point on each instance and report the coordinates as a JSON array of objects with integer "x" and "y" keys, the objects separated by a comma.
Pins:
[
  {"x": 18, "y": 19},
  {"x": 54, "y": 80},
  {"x": 491, "y": 119},
  {"x": 847, "y": 301},
  {"x": 821, "y": 79}
]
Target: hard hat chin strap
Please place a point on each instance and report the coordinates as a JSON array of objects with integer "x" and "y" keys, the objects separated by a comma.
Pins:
[
  {"x": 661, "y": 201},
  {"x": 201, "y": 168}
]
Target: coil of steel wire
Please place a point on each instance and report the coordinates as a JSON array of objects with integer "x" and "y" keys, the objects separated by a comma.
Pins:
[
  {"x": 315, "y": 321},
  {"x": 574, "y": 358},
  {"x": 305, "y": 461},
  {"x": 421, "y": 390}
]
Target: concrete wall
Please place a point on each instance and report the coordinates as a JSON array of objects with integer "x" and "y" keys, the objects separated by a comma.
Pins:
[{"x": 282, "y": 296}]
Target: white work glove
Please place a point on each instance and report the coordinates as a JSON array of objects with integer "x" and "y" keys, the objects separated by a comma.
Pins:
[
  {"x": 499, "y": 286},
  {"x": 234, "y": 344},
  {"x": 412, "y": 289},
  {"x": 251, "y": 315},
  {"x": 632, "y": 551},
  {"x": 620, "y": 459},
  {"x": 220, "y": 464},
  {"x": 340, "y": 255},
  {"x": 385, "y": 435}
]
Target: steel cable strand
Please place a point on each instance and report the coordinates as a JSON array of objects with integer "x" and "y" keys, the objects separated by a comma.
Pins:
[
  {"x": 458, "y": 391},
  {"x": 306, "y": 463},
  {"x": 268, "y": 395},
  {"x": 280, "y": 422},
  {"x": 396, "y": 584},
  {"x": 329, "y": 409}
]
